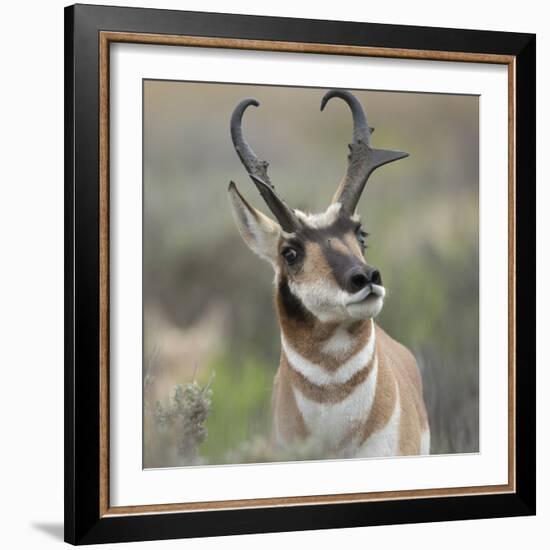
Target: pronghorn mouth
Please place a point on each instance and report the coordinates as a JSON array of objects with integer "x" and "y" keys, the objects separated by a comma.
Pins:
[{"x": 370, "y": 291}]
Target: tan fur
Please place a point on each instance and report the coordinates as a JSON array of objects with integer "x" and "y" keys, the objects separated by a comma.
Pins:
[
  {"x": 397, "y": 372},
  {"x": 398, "y": 368},
  {"x": 297, "y": 400},
  {"x": 384, "y": 398},
  {"x": 351, "y": 242},
  {"x": 316, "y": 269},
  {"x": 340, "y": 245},
  {"x": 308, "y": 339},
  {"x": 328, "y": 393},
  {"x": 288, "y": 424}
]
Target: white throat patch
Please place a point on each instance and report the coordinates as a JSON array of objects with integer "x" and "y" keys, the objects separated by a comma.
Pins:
[
  {"x": 318, "y": 375},
  {"x": 339, "y": 343}
]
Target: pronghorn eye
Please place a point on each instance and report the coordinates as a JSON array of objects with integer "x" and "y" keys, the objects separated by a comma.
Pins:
[
  {"x": 290, "y": 255},
  {"x": 362, "y": 237}
]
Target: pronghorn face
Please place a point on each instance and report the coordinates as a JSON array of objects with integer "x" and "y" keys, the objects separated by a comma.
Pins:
[
  {"x": 320, "y": 266},
  {"x": 318, "y": 259},
  {"x": 324, "y": 267}
]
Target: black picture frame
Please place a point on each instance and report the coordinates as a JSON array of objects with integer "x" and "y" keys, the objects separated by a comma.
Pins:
[{"x": 84, "y": 524}]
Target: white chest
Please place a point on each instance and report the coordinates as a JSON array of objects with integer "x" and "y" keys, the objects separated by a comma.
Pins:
[
  {"x": 333, "y": 423},
  {"x": 384, "y": 442}
]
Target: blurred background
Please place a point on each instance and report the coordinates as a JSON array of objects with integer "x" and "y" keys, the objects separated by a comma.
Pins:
[{"x": 211, "y": 340}]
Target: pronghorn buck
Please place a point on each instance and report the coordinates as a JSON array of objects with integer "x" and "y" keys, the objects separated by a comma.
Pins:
[{"x": 341, "y": 379}]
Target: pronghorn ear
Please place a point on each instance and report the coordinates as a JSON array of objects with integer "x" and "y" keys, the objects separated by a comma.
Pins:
[{"x": 259, "y": 232}]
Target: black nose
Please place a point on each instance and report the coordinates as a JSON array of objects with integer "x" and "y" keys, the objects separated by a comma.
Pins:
[
  {"x": 360, "y": 277},
  {"x": 374, "y": 276}
]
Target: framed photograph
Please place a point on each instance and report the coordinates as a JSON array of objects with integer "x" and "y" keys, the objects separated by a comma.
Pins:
[{"x": 300, "y": 274}]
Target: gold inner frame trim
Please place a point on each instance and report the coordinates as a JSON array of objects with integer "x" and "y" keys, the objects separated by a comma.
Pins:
[{"x": 105, "y": 39}]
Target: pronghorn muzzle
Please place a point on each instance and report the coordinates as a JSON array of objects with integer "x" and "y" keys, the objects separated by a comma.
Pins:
[{"x": 359, "y": 278}]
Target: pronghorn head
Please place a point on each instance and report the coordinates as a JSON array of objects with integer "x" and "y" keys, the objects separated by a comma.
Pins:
[{"x": 319, "y": 259}]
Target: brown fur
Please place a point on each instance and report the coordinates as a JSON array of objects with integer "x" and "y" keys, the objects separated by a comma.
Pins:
[
  {"x": 308, "y": 338},
  {"x": 327, "y": 255},
  {"x": 330, "y": 393},
  {"x": 316, "y": 268},
  {"x": 397, "y": 370},
  {"x": 287, "y": 419},
  {"x": 397, "y": 374}
]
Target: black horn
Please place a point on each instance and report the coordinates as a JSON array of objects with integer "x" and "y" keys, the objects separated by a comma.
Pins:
[
  {"x": 362, "y": 159},
  {"x": 257, "y": 170}
]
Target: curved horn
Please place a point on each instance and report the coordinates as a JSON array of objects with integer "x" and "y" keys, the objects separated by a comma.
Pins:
[
  {"x": 363, "y": 159},
  {"x": 257, "y": 169}
]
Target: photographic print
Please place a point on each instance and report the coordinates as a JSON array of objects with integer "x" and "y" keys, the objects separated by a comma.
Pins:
[
  {"x": 292, "y": 256},
  {"x": 310, "y": 274}
]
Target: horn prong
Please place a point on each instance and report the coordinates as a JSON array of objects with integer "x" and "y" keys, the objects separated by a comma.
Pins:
[
  {"x": 363, "y": 159},
  {"x": 257, "y": 169}
]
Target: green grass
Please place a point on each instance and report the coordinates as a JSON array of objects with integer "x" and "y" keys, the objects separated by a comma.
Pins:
[{"x": 240, "y": 405}]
